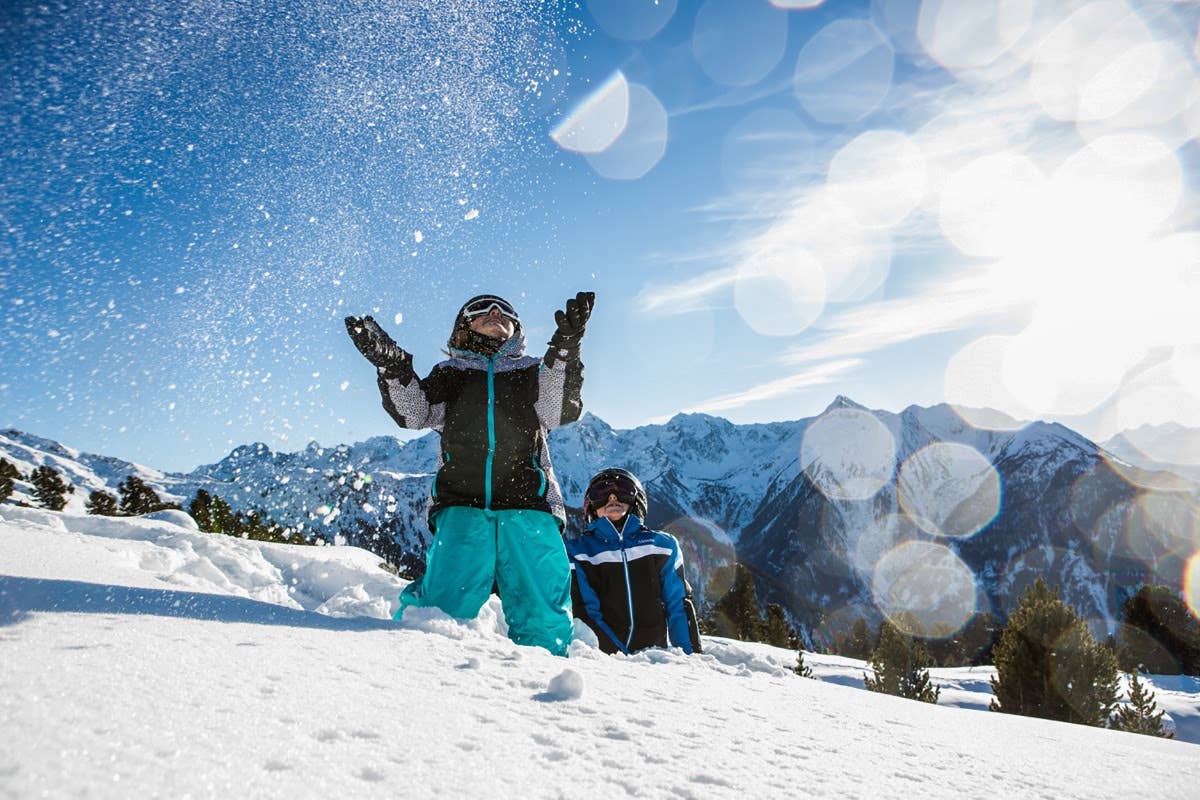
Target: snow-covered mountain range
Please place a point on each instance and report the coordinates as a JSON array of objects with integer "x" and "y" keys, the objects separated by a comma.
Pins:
[
  {"x": 851, "y": 513},
  {"x": 1170, "y": 447}
]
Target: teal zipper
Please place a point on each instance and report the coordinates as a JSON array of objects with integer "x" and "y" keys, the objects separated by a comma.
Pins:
[
  {"x": 541, "y": 476},
  {"x": 491, "y": 417}
]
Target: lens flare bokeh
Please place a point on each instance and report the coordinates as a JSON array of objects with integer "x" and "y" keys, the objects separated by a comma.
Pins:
[
  {"x": 844, "y": 72},
  {"x": 949, "y": 490},
  {"x": 969, "y": 36},
  {"x": 848, "y": 454},
  {"x": 779, "y": 290},
  {"x": 971, "y": 389},
  {"x": 1191, "y": 584},
  {"x": 598, "y": 120},
  {"x": 925, "y": 589},
  {"x": 632, "y": 20},
  {"x": 640, "y": 144},
  {"x": 1133, "y": 178},
  {"x": 985, "y": 207},
  {"x": 879, "y": 176},
  {"x": 737, "y": 43},
  {"x": 880, "y": 534}
]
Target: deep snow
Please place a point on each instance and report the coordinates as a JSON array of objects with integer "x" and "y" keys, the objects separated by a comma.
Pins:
[{"x": 144, "y": 658}]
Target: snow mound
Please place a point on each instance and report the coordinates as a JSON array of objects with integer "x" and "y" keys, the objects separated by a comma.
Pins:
[{"x": 175, "y": 517}]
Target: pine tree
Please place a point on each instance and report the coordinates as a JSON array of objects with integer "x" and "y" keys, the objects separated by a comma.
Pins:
[
  {"x": 101, "y": 504},
  {"x": 1048, "y": 665},
  {"x": 802, "y": 669},
  {"x": 1142, "y": 714},
  {"x": 9, "y": 470},
  {"x": 49, "y": 489},
  {"x": 900, "y": 667},
  {"x": 861, "y": 643},
  {"x": 775, "y": 629},
  {"x": 1169, "y": 642},
  {"x": 737, "y": 615},
  {"x": 6, "y": 488},
  {"x": 138, "y": 498},
  {"x": 200, "y": 510},
  {"x": 221, "y": 516}
]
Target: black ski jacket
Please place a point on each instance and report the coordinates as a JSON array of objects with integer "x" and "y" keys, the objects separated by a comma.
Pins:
[{"x": 493, "y": 413}]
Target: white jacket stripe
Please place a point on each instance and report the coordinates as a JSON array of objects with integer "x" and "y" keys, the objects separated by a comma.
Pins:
[{"x": 632, "y": 553}]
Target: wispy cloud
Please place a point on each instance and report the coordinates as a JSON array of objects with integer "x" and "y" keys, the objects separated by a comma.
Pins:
[
  {"x": 816, "y": 376},
  {"x": 687, "y": 295},
  {"x": 955, "y": 305}
]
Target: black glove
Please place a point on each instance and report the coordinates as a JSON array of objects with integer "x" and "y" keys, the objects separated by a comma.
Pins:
[
  {"x": 572, "y": 322},
  {"x": 374, "y": 343}
]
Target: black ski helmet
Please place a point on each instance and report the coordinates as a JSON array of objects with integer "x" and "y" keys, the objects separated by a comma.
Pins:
[{"x": 622, "y": 483}]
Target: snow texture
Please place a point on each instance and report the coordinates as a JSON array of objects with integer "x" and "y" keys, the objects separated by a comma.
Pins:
[{"x": 142, "y": 658}]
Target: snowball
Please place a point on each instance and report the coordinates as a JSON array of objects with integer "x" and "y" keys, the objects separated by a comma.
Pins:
[{"x": 567, "y": 685}]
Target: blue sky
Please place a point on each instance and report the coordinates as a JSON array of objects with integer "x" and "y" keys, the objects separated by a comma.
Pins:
[{"x": 898, "y": 201}]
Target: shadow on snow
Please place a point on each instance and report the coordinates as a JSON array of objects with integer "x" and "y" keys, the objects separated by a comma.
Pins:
[{"x": 19, "y": 597}]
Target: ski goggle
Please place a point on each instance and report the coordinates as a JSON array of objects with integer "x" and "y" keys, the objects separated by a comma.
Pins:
[
  {"x": 623, "y": 488},
  {"x": 485, "y": 305}
]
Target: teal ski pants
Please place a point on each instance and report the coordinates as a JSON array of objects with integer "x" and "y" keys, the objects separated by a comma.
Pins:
[{"x": 521, "y": 551}]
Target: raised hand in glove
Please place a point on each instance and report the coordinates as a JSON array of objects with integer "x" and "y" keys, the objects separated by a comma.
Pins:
[
  {"x": 572, "y": 322},
  {"x": 379, "y": 348}
]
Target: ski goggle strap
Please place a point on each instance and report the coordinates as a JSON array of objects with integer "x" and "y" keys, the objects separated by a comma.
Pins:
[
  {"x": 623, "y": 488},
  {"x": 484, "y": 305}
]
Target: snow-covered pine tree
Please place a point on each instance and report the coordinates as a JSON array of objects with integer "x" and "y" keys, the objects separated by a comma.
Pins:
[
  {"x": 101, "y": 504},
  {"x": 900, "y": 667},
  {"x": 137, "y": 497},
  {"x": 9, "y": 470},
  {"x": 1049, "y": 665},
  {"x": 49, "y": 489},
  {"x": 222, "y": 517},
  {"x": 200, "y": 510},
  {"x": 1141, "y": 715},
  {"x": 6, "y": 488}
]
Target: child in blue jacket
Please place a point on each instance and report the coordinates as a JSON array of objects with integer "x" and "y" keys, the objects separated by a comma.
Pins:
[{"x": 627, "y": 580}]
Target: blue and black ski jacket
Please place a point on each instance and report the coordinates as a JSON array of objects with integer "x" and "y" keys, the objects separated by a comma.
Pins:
[
  {"x": 628, "y": 586},
  {"x": 493, "y": 413}
]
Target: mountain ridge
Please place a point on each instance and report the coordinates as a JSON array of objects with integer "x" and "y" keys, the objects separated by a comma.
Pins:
[{"x": 813, "y": 506}]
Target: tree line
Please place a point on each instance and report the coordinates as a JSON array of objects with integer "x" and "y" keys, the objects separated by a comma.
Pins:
[
  {"x": 1048, "y": 664},
  {"x": 135, "y": 497}
]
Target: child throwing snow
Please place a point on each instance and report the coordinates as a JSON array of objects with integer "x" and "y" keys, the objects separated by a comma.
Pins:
[{"x": 496, "y": 512}]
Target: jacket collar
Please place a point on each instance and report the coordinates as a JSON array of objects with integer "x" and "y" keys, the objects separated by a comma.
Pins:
[
  {"x": 605, "y": 530},
  {"x": 513, "y": 348}
]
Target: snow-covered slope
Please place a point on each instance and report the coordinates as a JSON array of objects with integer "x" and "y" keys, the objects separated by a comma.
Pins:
[{"x": 143, "y": 658}]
